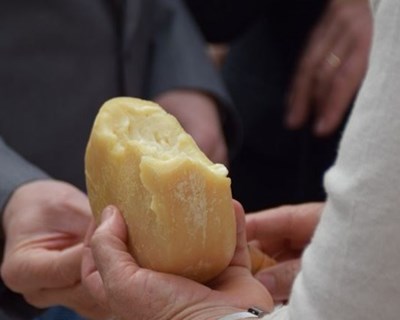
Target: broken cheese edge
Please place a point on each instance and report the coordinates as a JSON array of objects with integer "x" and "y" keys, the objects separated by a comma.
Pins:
[{"x": 177, "y": 204}]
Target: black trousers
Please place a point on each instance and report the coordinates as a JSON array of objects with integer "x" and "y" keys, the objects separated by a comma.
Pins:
[{"x": 275, "y": 165}]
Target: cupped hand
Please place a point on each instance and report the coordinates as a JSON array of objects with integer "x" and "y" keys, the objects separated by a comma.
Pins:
[
  {"x": 113, "y": 276},
  {"x": 332, "y": 66},
  {"x": 282, "y": 233},
  {"x": 198, "y": 114},
  {"x": 45, "y": 223}
]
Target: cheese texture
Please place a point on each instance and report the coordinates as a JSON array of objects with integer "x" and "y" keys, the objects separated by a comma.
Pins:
[{"x": 177, "y": 204}]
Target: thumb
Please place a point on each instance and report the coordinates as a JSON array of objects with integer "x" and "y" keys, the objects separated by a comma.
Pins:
[
  {"x": 241, "y": 256},
  {"x": 279, "y": 279},
  {"x": 109, "y": 244},
  {"x": 110, "y": 251}
]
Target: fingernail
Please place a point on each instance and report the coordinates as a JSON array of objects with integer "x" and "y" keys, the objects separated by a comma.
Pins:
[
  {"x": 268, "y": 280},
  {"x": 107, "y": 213}
]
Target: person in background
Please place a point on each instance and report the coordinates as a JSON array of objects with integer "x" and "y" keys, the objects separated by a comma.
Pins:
[
  {"x": 350, "y": 266},
  {"x": 293, "y": 69},
  {"x": 59, "y": 61}
]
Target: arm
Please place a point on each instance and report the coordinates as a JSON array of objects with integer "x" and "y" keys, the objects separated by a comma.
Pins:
[
  {"x": 198, "y": 114},
  {"x": 350, "y": 269},
  {"x": 179, "y": 62},
  {"x": 14, "y": 171},
  {"x": 44, "y": 222}
]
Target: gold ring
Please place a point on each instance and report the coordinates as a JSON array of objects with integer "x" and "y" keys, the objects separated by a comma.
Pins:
[{"x": 333, "y": 60}]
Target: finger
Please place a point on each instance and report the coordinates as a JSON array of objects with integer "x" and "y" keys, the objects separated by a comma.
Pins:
[
  {"x": 259, "y": 260},
  {"x": 300, "y": 97},
  {"x": 91, "y": 278},
  {"x": 79, "y": 224},
  {"x": 299, "y": 101},
  {"x": 75, "y": 298},
  {"x": 241, "y": 256},
  {"x": 89, "y": 232},
  {"x": 336, "y": 98},
  {"x": 73, "y": 213},
  {"x": 232, "y": 281},
  {"x": 290, "y": 226},
  {"x": 279, "y": 279},
  {"x": 109, "y": 241},
  {"x": 125, "y": 284},
  {"x": 329, "y": 66},
  {"x": 110, "y": 251},
  {"x": 37, "y": 269},
  {"x": 335, "y": 84},
  {"x": 342, "y": 90}
]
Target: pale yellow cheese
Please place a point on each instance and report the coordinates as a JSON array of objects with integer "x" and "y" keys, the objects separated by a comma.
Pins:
[{"x": 177, "y": 204}]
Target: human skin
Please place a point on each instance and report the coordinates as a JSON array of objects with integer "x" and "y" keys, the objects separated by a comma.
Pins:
[
  {"x": 45, "y": 223},
  {"x": 198, "y": 114},
  {"x": 282, "y": 233},
  {"x": 332, "y": 66},
  {"x": 114, "y": 279}
]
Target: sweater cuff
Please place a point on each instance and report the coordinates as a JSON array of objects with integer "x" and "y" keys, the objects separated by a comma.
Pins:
[{"x": 280, "y": 313}]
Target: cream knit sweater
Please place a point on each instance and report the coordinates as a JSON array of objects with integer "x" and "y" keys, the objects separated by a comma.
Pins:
[{"x": 351, "y": 269}]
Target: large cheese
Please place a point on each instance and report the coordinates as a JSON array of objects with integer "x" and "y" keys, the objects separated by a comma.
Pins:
[{"x": 177, "y": 204}]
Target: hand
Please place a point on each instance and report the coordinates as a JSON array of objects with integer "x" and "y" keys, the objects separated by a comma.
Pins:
[
  {"x": 332, "y": 66},
  {"x": 113, "y": 276},
  {"x": 198, "y": 114},
  {"x": 282, "y": 233},
  {"x": 45, "y": 223}
]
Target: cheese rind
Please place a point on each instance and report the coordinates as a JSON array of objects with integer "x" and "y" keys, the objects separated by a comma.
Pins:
[{"x": 177, "y": 204}]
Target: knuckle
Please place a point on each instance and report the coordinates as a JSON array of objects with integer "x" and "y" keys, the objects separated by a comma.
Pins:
[
  {"x": 36, "y": 299},
  {"x": 11, "y": 276}
]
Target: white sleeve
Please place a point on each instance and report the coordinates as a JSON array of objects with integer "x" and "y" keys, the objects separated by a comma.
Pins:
[
  {"x": 351, "y": 269},
  {"x": 278, "y": 314}
]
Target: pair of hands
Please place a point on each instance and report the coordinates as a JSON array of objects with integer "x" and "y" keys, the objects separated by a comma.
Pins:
[
  {"x": 47, "y": 261},
  {"x": 329, "y": 73},
  {"x": 332, "y": 66},
  {"x": 115, "y": 279}
]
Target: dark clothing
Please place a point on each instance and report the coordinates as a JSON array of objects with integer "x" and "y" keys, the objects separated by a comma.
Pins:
[
  {"x": 61, "y": 59},
  {"x": 275, "y": 165}
]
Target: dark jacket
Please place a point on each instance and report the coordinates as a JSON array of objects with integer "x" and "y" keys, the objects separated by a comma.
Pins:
[{"x": 61, "y": 59}]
